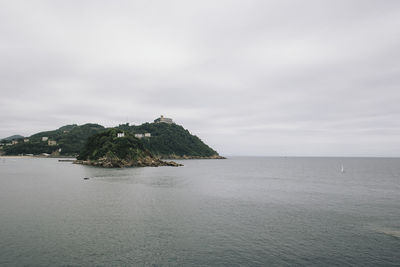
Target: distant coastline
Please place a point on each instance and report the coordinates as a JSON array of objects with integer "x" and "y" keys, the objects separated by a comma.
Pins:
[
  {"x": 184, "y": 157},
  {"x": 35, "y": 156}
]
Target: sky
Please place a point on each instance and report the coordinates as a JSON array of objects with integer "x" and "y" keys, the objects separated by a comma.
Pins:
[{"x": 261, "y": 78}]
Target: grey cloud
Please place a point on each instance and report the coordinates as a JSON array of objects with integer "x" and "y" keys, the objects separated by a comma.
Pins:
[{"x": 250, "y": 78}]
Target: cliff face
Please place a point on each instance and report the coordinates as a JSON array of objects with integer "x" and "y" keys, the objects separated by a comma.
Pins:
[{"x": 108, "y": 150}]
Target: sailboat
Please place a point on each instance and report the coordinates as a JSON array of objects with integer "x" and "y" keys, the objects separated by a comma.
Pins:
[{"x": 342, "y": 169}]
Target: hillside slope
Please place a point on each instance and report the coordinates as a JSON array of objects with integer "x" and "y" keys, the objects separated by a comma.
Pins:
[
  {"x": 70, "y": 139},
  {"x": 166, "y": 141},
  {"x": 107, "y": 149},
  {"x": 171, "y": 141},
  {"x": 12, "y": 137}
]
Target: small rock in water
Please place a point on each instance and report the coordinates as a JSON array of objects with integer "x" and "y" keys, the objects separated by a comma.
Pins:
[{"x": 86, "y": 178}]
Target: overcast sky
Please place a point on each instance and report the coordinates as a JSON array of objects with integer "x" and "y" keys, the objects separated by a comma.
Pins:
[{"x": 311, "y": 78}]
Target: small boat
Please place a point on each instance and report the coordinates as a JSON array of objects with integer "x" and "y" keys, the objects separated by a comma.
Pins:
[
  {"x": 342, "y": 169},
  {"x": 86, "y": 178}
]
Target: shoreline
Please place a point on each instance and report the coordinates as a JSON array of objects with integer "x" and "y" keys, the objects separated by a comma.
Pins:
[
  {"x": 122, "y": 163},
  {"x": 35, "y": 156},
  {"x": 72, "y": 157}
]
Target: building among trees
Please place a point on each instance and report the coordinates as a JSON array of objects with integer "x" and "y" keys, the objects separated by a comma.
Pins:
[
  {"x": 163, "y": 119},
  {"x": 145, "y": 135},
  {"x": 52, "y": 143}
]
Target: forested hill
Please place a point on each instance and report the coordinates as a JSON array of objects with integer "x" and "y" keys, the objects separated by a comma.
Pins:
[
  {"x": 13, "y": 137},
  {"x": 171, "y": 141},
  {"x": 166, "y": 141},
  {"x": 114, "y": 148},
  {"x": 70, "y": 139}
]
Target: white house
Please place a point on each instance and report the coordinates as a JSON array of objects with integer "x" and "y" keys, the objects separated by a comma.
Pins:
[
  {"x": 45, "y": 138},
  {"x": 147, "y": 135},
  {"x": 26, "y": 140},
  {"x": 139, "y": 136},
  {"x": 52, "y": 143},
  {"x": 14, "y": 142},
  {"x": 120, "y": 135}
]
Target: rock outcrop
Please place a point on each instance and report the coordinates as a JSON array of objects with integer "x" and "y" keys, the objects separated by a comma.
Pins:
[{"x": 107, "y": 162}]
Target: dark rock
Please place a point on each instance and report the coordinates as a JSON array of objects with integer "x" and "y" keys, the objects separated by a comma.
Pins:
[{"x": 120, "y": 163}]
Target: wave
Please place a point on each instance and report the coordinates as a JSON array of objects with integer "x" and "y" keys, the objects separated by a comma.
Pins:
[{"x": 389, "y": 231}]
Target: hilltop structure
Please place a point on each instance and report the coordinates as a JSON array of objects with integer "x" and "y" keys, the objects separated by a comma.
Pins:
[{"x": 164, "y": 120}]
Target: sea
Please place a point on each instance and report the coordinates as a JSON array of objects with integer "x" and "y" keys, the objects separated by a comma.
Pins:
[{"x": 242, "y": 211}]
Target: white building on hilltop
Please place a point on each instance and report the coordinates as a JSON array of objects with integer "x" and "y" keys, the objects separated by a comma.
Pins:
[
  {"x": 163, "y": 119},
  {"x": 120, "y": 135}
]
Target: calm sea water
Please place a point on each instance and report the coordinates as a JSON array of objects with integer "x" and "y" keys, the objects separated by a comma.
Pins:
[{"x": 234, "y": 212}]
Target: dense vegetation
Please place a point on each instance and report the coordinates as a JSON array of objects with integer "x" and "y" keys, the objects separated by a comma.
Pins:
[
  {"x": 12, "y": 137},
  {"x": 171, "y": 140},
  {"x": 29, "y": 148},
  {"x": 107, "y": 144},
  {"x": 167, "y": 141},
  {"x": 70, "y": 138}
]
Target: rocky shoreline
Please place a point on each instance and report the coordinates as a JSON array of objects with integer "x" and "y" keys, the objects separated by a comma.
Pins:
[{"x": 105, "y": 162}]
